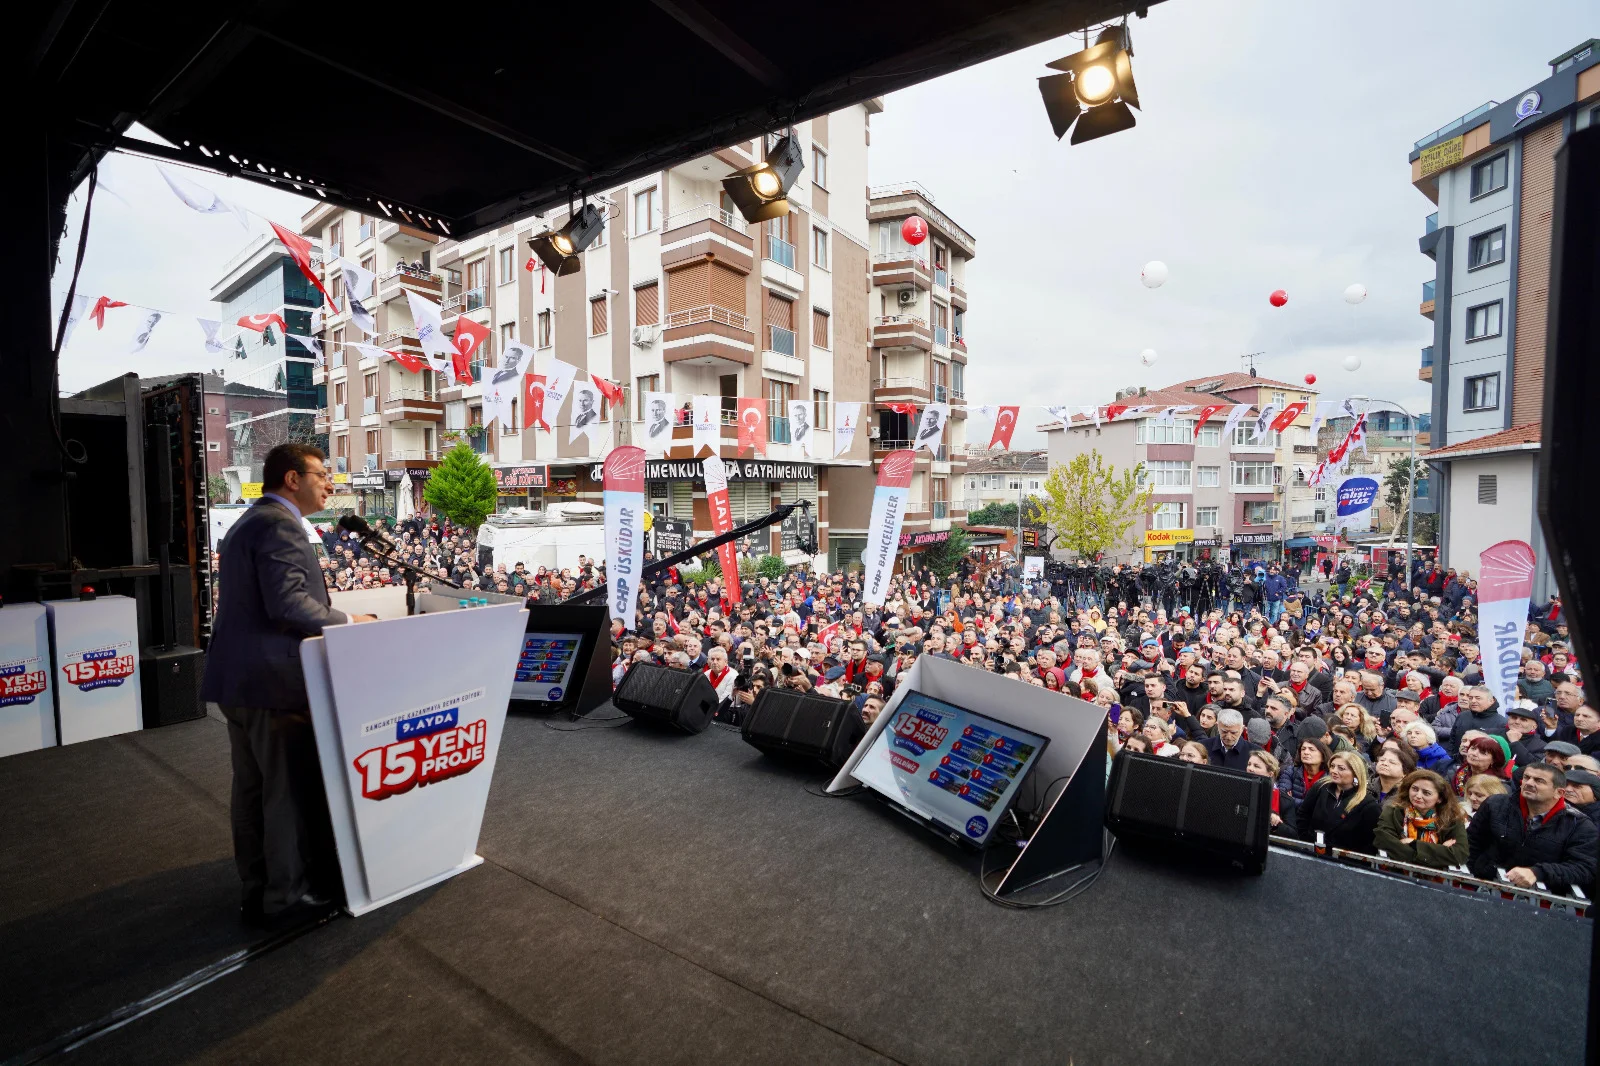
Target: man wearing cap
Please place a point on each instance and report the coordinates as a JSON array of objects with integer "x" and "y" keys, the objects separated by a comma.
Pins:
[
  {"x": 1583, "y": 792},
  {"x": 1522, "y": 732}
]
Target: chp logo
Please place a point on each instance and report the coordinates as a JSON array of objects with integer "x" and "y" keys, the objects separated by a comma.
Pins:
[
  {"x": 102, "y": 668},
  {"x": 19, "y": 684},
  {"x": 429, "y": 745}
]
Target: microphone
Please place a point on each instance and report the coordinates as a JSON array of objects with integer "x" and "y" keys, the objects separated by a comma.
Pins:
[{"x": 358, "y": 525}]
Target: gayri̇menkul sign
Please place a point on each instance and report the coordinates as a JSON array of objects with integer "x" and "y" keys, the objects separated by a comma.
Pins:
[{"x": 738, "y": 469}]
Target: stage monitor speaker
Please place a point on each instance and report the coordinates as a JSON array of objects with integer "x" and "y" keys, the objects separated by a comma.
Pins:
[
  {"x": 1203, "y": 812},
  {"x": 682, "y": 699},
  {"x": 801, "y": 725},
  {"x": 169, "y": 682}
]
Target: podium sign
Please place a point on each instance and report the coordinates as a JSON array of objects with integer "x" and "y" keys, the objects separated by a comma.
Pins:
[
  {"x": 96, "y": 681},
  {"x": 27, "y": 698},
  {"x": 408, "y": 715}
]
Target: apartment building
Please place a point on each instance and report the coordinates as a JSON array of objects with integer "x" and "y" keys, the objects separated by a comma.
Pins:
[
  {"x": 1003, "y": 477},
  {"x": 1210, "y": 496},
  {"x": 679, "y": 294},
  {"x": 1491, "y": 174},
  {"x": 919, "y": 349}
]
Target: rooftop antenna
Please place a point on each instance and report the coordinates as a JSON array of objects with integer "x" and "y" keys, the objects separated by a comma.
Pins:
[{"x": 1248, "y": 362}]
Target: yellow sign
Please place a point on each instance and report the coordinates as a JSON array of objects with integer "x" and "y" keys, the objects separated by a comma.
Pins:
[
  {"x": 250, "y": 490},
  {"x": 1166, "y": 537},
  {"x": 1441, "y": 156},
  {"x": 341, "y": 479}
]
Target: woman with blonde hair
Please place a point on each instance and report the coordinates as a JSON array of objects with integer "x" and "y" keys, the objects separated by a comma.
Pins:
[
  {"x": 1341, "y": 807},
  {"x": 1265, "y": 764},
  {"x": 1195, "y": 752},
  {"x": 1422, "y": 823},
  {"x": 1478, "y": 790}
]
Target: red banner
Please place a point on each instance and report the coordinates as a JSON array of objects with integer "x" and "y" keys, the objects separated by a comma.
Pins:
[
  {"x": 469, "y": 335},
  {"x": 1286, "y": 418},
  {"x": 412, "y": 363},
  {"x": 300, "y": 251},
  {"x": 752, "y": 425},
  {"x": 1005, "y": 423},
  {"x": 1205, "y": 414},
  {"x": 533, "y": 401},
  {"x": 716, "y": 478}
]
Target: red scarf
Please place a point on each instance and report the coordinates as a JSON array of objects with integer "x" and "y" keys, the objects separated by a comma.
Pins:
[
  {"x": 1301, "y": 687},
  {"x": 716, "y": 678},
  {"x": 1275, "y": 809},
  {"x": 1089, "y": 671},
  {"x": 1445, "y": 701},
  {"x": 1560, "y": 805},
  {"x": 1312, "y": 779}
]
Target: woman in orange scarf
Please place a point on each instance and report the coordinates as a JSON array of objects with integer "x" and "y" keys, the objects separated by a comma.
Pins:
[{"x": 1422, "y": 823}]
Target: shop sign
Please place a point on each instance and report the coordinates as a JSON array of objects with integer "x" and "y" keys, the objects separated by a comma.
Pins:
[
  {"x": 672, "y": 535},
  {"x": 924, "y": 539},
  {"x": 368, "y": 479},
  {"x": 250, "y": 490},
  {"x": 1255, "y": 538},
  {"x": 1164, "y": 538},
  {"x": 1441, "y": 156},
  {"x": 563, "y": 486},
  {"x": 738, "y": 470},
  {"x": 517, "y": 480}
]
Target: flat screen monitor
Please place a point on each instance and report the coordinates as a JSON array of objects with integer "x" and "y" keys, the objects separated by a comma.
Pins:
[
  {"x": 949, "y": 766},
  {"x": 544, "y": 668}
]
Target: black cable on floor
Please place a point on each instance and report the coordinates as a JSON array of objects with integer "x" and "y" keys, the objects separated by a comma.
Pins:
[
  {"x": 1083, "y": 884},
  {"x": 590, "y": 723}
]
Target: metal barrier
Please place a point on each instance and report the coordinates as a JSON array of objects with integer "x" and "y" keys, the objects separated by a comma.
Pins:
[{"x": 1456, "y": 878}]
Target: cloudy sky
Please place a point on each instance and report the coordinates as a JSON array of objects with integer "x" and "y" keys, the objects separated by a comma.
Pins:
[{"x": 1271, "y": 152}]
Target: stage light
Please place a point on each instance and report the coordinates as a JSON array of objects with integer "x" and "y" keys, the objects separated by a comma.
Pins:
[
  {"x": 760, "y": 191},
  {"x": 558, "y": 250},
  {"x": 1096, "y": 91}
]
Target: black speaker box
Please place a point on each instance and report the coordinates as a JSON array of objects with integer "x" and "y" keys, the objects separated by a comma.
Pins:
[
  {"x": 682, "y": 699},
  {"x": 802, "y": 725},
  {"x": 1199, "y": 812},
  {"x": 169, "y": 684}
]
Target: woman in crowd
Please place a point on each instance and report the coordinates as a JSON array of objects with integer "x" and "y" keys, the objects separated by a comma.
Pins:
[
  {"x": 1310, "y": 767},
  {"x": 1363, "y": 727},
  {"x": 1263, "y": 764},
  {"x": 1430, "y": 753},
  {"x": 1158, "y": 732},
  {"x": 1478, "y": 791},
  {"x": 1129, "y": 722},
  {"x": 1480, "y": 755},
  {"x": 1340, "y": 807},
  {"x": 1393, "y": 765},
  {"x": 1206, "y": 722},
  {"x": 1195, "y": 752},
  {"x": 1422, "y": 823}
]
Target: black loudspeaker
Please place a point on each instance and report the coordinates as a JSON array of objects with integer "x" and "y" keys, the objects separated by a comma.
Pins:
[
  {"x": 682, "y": 699},
  {"x": 801, "y": 725},
  {"x": 169, "y": 684},
  {"x": 1202, "y": 812}
]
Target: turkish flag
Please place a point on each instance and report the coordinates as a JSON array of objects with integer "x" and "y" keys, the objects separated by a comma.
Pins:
[
  {"x": 469, "y": 336},
  {"x": 98, "y": 311},
  {"x": 300, "y": 252},
  {"x": 828, "y": 633},
  {"x": 1205, "y": 413},
  {"x": 410, "y": 362},
  {"x": 1288, "y": 415},
  {"x": 907, "y": 409},
  {"x": 533, "y": 405},
  {"x": 259, "y": 323},
  {"x": 752, "y": 425},
  {"x": 1113, "y": 410},
  {"x": 610, "y": 390},
  {"x": 1005, "y": 423}
]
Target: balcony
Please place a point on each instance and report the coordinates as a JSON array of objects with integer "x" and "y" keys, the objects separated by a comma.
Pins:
[
  {"x": 413, "y": 456},
  {"x": 780, "y": 340},
  {"x": 1426, "y": 307},
  {"x": 335, "y": 250},
  {"x": 368, "y": 231},
  {"x": 405, "y": 236},
  {"x": 341, "y": 412},
  {"x": 889, "y": 445},
  {"x": 337, "y": 357},
  {"x": 941, "y": 509},
  {"x": 780, "y": 251},
  {"x": 395, "y": 284},
  {"x": 902, "y": 331},
  {"x": 1449, "y": 129},
  {"x": 412, "y": 405},
  {"x": 958, "y": 295},
  {"x": 914, "y": 385},
  {"x": 465, "y": 302},
  {"x": 901, "y": 268},
  {"x": 941, "y": 278},
  {"x": 706, "y": 232},
  {"x": 1430, "y": 223},
  {"x": 1425, "y": 369},
  {"x": 708, "y": 334}
]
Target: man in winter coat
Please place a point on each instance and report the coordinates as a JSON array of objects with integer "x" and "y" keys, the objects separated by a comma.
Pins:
[
  {"x": 1534, "y": 835},
  {"x": 1477, "y": 712}
]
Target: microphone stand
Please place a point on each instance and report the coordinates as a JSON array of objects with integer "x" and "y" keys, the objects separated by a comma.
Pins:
[{"x": 372, "y": 541}]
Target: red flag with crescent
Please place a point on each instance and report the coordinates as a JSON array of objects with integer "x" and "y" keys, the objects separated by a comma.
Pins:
[
  {"x": 752, "y": 425},
  {"x": 259, "y": 323},
  {"x": 469, "y": 336},
  {"x": 1205, "y": 414},
  {"x": 609, "y": 389},
  {"x": 412, "y": 363},
  {"x": 1287, "y": 416},
  {"x": 907, "y": 409},
  {"x": 828, "y": 633},
  {"x": 1005, "y": 423},
  {"x": 300, "y": 252},
  {"x": 1113, "y": 410},
  {"x": 533, "y": 400},
  {"x": 101, "y": 306}
]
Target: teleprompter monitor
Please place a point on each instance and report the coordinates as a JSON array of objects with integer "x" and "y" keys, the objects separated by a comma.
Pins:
[
  {"x": 951, "y": 768},
  {"x": 545, "y": 667}
]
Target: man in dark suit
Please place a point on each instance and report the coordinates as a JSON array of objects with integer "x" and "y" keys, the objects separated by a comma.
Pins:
[{"x": 274, "y": 597}]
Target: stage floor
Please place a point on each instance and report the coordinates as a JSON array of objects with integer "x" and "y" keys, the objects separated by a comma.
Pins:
[{"x": 664, "y": 898}]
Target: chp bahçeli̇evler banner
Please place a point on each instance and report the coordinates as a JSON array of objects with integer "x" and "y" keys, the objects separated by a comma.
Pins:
[
  {"x": 1505, "y": 581},
  {"x": 883, "y": 529},
  {"x": 624, "y": 504},
  {"x": 716, "y": 477}
]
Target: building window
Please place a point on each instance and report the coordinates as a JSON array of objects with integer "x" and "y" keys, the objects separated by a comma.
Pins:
[
  {"x": 647, "y": 304},
  {"x": 1483, "y": 321},
  {"x": 598, "y": 319},
  {"x": 1319, "y": 516},
  {"x": 1321, "y": 494},
  {"x": 1210, "y": 437},
  {"x": 1155, "y": 431},
  {"x": 544, "y": 329},
  {"x": 646, "y": 211},
  {"x": 1207, "y": 477},
  {"x": 1168, "y": 474},
  {"x": 1277, "y": 400},
  {"x": 819, "y": 247},
  {"x": 819, "y": 328},
  {"x": 508, "y": 266},
  {"x": 1206, "y": 516},
  {"x": 958, "y": 324},
  {"x": 1481, "y": 393},
  {"x": 958, "y": 379},
  {"x": 1487, "y": 249},
  {"x": 1490, "y": 175},
  {"x": 1254, "y": 475},
  {"x": 778, "y": 395},
  {"x": 819, "y": 400},
  {"x": 1244, "y": 437},
  {"x": 819, "y": 166},
  {"x": 1488, "y": 488},
  {"x": 508, "y": 335},
  {"x": 646, "y": 383},
  {"x": 1167, "y": 516},
  {"x": 1260, "y": 512}
]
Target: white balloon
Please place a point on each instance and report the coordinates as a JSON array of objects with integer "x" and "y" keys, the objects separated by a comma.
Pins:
[
  {"x": 1352, "y": 362},
  {"x": 1154, "y": 274},
  {"x": 1148, "y": 357},
  {"x": 1355, "y": 293}
]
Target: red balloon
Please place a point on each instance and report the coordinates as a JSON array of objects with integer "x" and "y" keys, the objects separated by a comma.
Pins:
[
  {"x": 1279, "y": 298},
  {"x": 1311, "y": 379},
  {"x": 914, "y": 230}
]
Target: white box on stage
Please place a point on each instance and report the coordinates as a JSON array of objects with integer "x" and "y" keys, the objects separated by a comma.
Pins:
[
  {"x": 27, "y": 692},
  {"x": 408, "y": 715},
  {"x": 95, "y": 644}
]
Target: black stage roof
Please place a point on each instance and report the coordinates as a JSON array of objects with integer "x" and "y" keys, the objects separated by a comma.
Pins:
[{"x": 472, "y": 117}]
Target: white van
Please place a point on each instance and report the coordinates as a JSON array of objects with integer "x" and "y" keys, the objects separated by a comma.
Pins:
[{"x": 552, "y": 538}]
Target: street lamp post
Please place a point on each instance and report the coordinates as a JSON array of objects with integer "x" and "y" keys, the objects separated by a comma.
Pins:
[{"x": 1411, "y": 487}]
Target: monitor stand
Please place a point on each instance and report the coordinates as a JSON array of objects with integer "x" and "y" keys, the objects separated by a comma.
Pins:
[{"x": 1071, "y": 833}]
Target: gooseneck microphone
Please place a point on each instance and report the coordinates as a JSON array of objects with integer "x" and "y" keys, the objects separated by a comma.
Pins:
[{"x": 357, "y": 525}]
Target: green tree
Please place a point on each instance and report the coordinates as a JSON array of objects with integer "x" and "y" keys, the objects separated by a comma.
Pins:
[
  {"x": 772, "y": 566},
  {"x": 1090, "y": 506},
  {"x": 1396, "y": 485},
  {"x": 943, "y": 558},
  {"x": 462, "y": 488},
  {"x": 1005, "y": 514},
  {"x": 217, "y": 489}
]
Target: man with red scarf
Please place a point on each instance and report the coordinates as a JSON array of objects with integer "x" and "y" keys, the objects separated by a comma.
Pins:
[
  {"x": 719, "y": 673},
  {"x": 1534, "y": 836}
]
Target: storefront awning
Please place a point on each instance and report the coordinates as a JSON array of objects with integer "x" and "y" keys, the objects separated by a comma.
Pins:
[{"x": 1300, "y": 542}]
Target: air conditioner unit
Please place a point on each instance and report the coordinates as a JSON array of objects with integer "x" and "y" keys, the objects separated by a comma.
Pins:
[
  {"x": 872, "y": 433},
  {"x": 644, "y": 336},
  {"x": 907, "y": 296}
]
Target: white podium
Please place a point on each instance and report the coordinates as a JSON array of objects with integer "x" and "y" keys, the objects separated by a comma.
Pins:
[
  {"x": 27, "y": 698},
  {"x": 96, "y": 646},
  {"x": 408, "y": 715}
]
